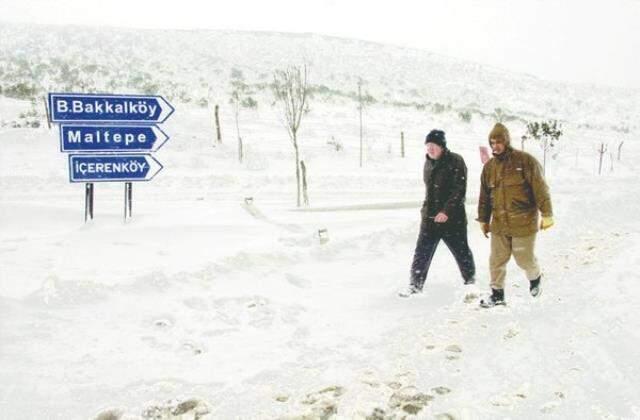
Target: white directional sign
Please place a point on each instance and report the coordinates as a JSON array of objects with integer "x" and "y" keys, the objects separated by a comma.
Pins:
[
  {"x": 104, "y": 168},
  {"x": 75, "y": 107},
  {"x": 108, "y": 138}
]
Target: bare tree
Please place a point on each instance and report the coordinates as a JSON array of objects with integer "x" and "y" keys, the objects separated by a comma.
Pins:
[
  {"x": 620, "y": 149},
  {"x": 305, "y": 194},
  {"x": 547, "y": 133},
  {"x": 240, "y": 98},
  {"x": 291, "y": 89},
  {"x": 363, "y": 101},
  {"x": 217, "y": 118}
]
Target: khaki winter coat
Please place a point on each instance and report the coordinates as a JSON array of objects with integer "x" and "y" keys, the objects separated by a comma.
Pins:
[{"x": 512, "y": 192}]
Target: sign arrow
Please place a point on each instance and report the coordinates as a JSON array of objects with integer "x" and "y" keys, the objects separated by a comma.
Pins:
[
  {"x": 105, "y": 168},
  {"x": 106, "y": 138},
  {"x": 76, "y": 107}
]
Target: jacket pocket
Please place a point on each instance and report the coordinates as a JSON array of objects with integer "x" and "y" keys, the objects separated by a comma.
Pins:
[
  {"x": 513, "y": 180},
  {"x": 521, "y": 204}
]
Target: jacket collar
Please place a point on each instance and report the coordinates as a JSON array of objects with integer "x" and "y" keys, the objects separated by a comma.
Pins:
[{"x": 504, "y": 155}]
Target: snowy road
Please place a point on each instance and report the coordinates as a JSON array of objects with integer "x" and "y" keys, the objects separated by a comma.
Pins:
[{"x": 275, "y": 324}]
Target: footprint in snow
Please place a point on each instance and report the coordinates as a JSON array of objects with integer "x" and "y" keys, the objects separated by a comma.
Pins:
[
  {"x": 111, "y": 414},
  {"x": 511, "y": 334},
  {"x": 188, "y": 409},
  {"x": 441, "y": 390},
  {"x": 323, "y": 404},
  {"x": 409, "y": 400},
  {"x": 163, "y": 323},
  {"x": 471, "y": 298},
  {"x": 191, "y": 348},
  {"x": 453, "y": 348}
]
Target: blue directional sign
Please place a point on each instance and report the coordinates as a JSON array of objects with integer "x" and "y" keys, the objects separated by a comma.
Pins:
[
  {"x": 103, "y": 168},
  {"x": 108, "y": 138},
  {"x": 75, "y": 107}
]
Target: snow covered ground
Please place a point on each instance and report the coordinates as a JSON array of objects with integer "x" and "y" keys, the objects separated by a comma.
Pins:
[{"x": 202, "y": 306}]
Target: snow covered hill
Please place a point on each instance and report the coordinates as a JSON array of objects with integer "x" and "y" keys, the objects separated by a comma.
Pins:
[{"x": 195, "y": 66}]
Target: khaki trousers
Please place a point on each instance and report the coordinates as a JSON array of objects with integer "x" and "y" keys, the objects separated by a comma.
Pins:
[{"x": 502, "y": 247}]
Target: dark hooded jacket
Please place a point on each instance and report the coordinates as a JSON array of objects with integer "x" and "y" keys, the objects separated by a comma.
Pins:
[{"x": 446, "y": 186}]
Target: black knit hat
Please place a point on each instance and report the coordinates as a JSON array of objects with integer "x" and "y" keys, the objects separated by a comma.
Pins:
[{"x": 437, "y": 137}]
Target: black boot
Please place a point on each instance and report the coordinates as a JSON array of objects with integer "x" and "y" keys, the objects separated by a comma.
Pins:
[
  {"x": 496, "y": 298},
  {"x": 534, "y": 287}
]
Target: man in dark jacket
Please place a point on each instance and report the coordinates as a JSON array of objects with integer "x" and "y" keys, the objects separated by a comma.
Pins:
[
  {"x": 443, "y": 213},
  {"x": 512, "y": 193}
]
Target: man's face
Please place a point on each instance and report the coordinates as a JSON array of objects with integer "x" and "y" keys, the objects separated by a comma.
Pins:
[
  {"x": 434, "y": 151},
  {"x": 497, "y": 146}
]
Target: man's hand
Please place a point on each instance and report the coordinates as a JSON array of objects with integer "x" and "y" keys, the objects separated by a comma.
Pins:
[
  {"x": 441, "y": 218},
  {"x": 546, "y": 222},
  {"x": 486, "y": 228}
]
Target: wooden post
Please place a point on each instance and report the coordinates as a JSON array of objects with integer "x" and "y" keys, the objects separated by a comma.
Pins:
[
  {"x": 620, "y": 150},
  {"x": 402, "y": 144},
  {"x": 602, "y": 151},
  {"x": 46, "y": 110},
  {"x": 323, "y": 236},
  {"x": 218, "y": 135}
]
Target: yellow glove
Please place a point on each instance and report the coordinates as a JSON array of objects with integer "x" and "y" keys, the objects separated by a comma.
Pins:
[
  {"x": 485, "y": 229},
  {"x": 546, "y": 222}
]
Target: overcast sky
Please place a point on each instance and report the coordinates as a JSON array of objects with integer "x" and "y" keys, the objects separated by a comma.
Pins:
[{"x": 587, "y": 41}]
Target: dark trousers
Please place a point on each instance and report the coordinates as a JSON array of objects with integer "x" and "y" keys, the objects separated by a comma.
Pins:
[{"x": 456, "y": 240}]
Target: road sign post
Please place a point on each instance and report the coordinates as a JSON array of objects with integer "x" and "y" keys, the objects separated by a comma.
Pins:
[
  {"x": 88, "y": 201},
  {"x": 110, "y": 138},
  {"x": 128, "y": 199}
]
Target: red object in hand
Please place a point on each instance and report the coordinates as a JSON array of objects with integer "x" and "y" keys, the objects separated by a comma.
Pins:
[
  {"x": 440, "y": 218},
  {"x": 484, "y": 154}
]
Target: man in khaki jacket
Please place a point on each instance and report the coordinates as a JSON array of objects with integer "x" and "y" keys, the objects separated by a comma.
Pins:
[{"x": 512, "y": 192}]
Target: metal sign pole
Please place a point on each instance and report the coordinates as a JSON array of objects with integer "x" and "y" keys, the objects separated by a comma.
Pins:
[
  {"x": 91, "y": 200},
  {"x": 88, "y": 201},
  {"x": 128, "y": 196}
]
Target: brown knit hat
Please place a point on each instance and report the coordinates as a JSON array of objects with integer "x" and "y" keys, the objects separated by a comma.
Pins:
[{"x": 500, "y": 132}]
